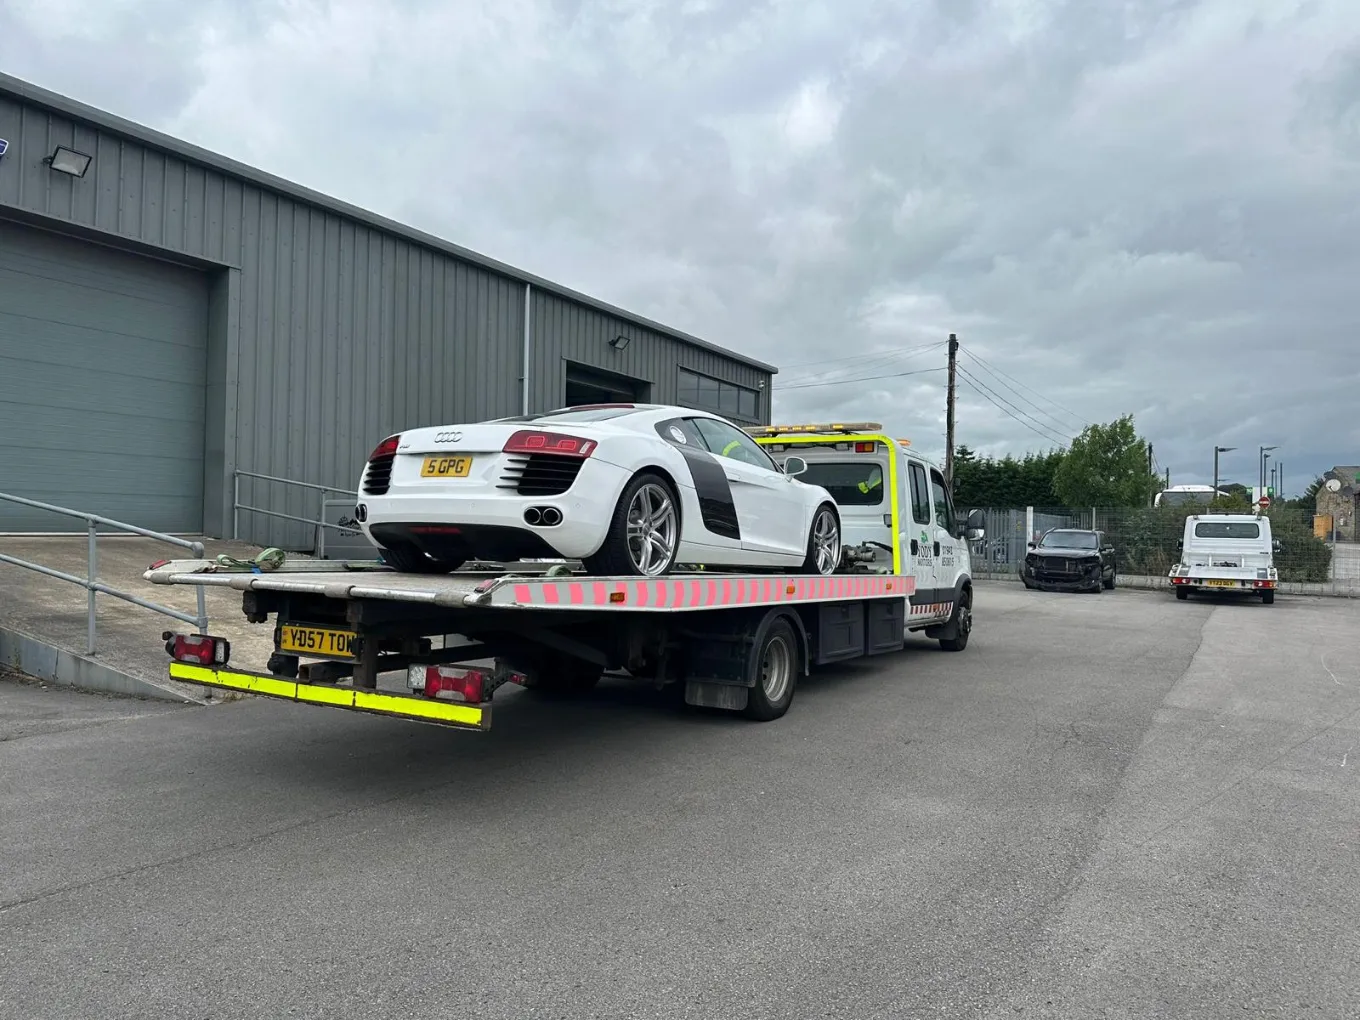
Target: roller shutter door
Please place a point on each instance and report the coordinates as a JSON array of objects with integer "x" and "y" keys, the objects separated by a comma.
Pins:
[{"x": 102, "y": 372}]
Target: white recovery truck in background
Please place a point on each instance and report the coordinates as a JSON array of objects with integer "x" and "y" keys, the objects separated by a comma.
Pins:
[
  {"x": 441, "y": 645},
  {"x": 1226, "y": 552}
]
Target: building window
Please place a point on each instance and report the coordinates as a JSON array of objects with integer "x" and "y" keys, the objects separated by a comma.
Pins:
[{"x": 724, "y": 398}]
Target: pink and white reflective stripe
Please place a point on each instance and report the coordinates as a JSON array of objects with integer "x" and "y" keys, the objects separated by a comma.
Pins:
[
  {"x": 691, "y": 592},
  {"x": 933, "y": 609}
]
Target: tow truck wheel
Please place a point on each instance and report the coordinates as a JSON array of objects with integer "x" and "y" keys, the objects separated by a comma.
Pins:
[
  {"x": 776, "y": 673},
  {"x": 961, "y": 623},
  {"x": 1268, "y": 597},
  {"x": 1182, "y": 593}
]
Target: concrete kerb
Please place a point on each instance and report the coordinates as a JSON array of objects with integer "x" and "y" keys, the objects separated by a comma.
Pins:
[
  {"x": 61, "y": 666},
  {"x": 1159, "y": 583}
]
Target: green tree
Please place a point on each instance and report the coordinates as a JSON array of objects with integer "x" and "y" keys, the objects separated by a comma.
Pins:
[
  {"x": 1008, "y": 482},
  {"x": 1307, "y": 501},
  {"x": 1107, "y": 466}
]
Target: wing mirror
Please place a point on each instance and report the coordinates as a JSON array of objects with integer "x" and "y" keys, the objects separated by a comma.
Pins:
[
  {"x": 1275, "y": 544},
  {"x": 975, "y": 526},
  {"x": 794, "y": 466}
]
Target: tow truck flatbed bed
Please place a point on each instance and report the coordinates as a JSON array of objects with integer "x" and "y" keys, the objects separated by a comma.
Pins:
[{"x": 673, "y": 593}]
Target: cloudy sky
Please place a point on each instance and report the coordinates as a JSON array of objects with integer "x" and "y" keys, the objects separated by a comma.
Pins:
[{"x": 1144, "y": 206}]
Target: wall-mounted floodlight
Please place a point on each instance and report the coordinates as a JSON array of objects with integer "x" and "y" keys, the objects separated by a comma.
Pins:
[
  {"x": 4, "y": 147},
  {"x": 620, "y": 342},
  {"x": 68, "y": 161}
]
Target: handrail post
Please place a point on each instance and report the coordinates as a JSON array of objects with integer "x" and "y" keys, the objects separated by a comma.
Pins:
[
  {"x": 197, "y": 551},
  {"x": 236, "y": 506},
  {"x": 91, "y": 575},
  {"x": 320, "y": 542}
]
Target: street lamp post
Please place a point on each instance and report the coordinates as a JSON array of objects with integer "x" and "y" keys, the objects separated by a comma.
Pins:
[
  {"x": 1217, "y": 451},
  {"x": 1264, "y": 454}
]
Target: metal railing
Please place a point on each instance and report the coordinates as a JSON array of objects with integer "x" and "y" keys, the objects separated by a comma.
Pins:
[
  {"x": 319, "y": 522},
  {"x": 91, "y": 583}
]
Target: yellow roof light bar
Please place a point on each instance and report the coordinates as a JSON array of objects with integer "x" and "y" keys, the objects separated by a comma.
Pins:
[{"x": 834, "y": 427}]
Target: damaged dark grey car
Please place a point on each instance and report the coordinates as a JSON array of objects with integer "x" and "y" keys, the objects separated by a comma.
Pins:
[{"x": 1070, "y": 559}]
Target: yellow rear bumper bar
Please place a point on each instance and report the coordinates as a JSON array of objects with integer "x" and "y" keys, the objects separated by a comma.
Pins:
[{"x": 401, "y": 706}]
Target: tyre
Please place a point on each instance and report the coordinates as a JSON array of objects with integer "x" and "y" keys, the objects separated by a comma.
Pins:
[
  {"x": 644, "y": 533},
  {"x": 1109, "y": 585},
  {"x": 824, "y": 543},
  {"x": 776, "y": 672},
  {"x": 413, "y": 561},
  {"x": 1268, "y": 597},
  {"x": 961, "y": 622},
  {"x": 1182, "y": 593}
]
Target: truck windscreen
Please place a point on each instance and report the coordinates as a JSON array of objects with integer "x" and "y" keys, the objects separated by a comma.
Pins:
[
  {"x": 850, "y": 483},
  {"x": 1227, "y": 529}
]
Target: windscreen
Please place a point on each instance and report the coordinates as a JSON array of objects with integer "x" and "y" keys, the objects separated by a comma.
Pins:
[
  {"x": 1227, "y": 529},
  {"x": 850, "y": 483},
  {"x": 1068, "y": 540}
]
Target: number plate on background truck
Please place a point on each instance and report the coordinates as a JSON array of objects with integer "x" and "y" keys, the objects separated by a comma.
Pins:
[
  {"x": 1221, "y": 584},
  {"x": 318, "y": 641}
]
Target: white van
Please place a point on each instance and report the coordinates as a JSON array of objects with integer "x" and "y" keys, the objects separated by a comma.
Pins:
[{"x": 1232, "y": 553}]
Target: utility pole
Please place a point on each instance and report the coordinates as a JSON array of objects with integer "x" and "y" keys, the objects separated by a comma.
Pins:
[
  {"x": 1168, "y": 478},
  {"x": 949, "y": 414},
  {"x": 1152, "y": 500}
]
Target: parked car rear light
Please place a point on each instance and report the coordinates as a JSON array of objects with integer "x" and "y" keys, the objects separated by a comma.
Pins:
[
  {"x": 387, "y": 448},
  {"x": 198, "y": 649},
  {"x": 458, "y": 683},
  {"x": 532, "y": 441}
]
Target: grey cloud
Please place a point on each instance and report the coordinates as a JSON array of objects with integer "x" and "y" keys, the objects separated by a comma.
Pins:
[{"x": 1146, "y": 206}]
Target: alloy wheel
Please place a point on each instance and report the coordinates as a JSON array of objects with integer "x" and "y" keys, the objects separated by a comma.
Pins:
[
  {"x": 653, "y": 529},
  {"x": 826, "y": 542}
]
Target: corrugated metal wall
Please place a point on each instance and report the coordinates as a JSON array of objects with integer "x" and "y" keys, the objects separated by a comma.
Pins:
[{"x": 346, "y": 332}]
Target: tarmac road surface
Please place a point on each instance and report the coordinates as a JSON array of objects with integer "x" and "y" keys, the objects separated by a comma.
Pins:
[{"x": 1113, "y": 805}]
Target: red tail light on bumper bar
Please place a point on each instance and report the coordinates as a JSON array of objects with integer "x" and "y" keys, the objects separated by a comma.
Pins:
[{"x": 197, "y": 649}]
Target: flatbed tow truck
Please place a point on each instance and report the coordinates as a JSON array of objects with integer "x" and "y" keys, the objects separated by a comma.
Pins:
[{"x": 736, "y": 641}]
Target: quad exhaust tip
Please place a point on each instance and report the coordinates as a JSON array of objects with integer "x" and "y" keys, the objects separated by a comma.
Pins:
[{"x": 542, "y": 516}]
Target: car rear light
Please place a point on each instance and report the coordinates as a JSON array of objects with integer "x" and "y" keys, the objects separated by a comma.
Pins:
[
  {"x": 198, "y": 649},
  {"x": 532, "y": 441},
  {"x": 387, "y": 448},
  {"x": 458, "y": 683},
  {"x": 865, "y": 447}
]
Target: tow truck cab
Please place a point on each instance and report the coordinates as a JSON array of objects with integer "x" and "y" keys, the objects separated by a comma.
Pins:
[
  {"x": 896, "y": 510},
  {"x": 1231, "y": 553}
]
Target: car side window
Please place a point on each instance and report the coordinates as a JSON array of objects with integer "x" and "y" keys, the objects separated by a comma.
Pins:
[
  {"x": 680, "y": 432},
  {"x": 944, "y": 509},
  {"x": 731, "y": 442},
  {"x": 920, "y": 499}
]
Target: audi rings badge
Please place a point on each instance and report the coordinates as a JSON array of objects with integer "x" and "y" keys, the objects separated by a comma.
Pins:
[{"x": 447, "y": 437}]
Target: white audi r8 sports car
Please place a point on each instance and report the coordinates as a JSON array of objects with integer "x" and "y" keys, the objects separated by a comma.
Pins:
[{"x": 630, "y": 489}]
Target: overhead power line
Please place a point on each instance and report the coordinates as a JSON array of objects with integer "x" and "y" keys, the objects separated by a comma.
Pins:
[
  {"x": 868, "y": 356},
  {"x": 867, "y": 378},
  {"x": 992, "y": 397},
  {"x": 845, "y": 368},
  {"x": 1000, "y": 376}
]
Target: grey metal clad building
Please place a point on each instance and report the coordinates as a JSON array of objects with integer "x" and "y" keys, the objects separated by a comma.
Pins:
[{"x": 170, "y": 317}]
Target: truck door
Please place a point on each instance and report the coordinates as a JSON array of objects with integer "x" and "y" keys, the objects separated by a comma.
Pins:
[
  {"x": 945, "y": 545},
  {"x": 918, "y": 540}
]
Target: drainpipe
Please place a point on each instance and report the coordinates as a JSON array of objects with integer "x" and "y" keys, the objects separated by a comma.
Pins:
[{"x": 524, "y": 378}]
